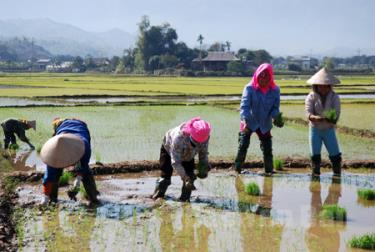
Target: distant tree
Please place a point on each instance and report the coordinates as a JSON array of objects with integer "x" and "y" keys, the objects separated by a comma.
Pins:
[
  {"x": 114, "y": 63},
  {"x": 228, "y": 44},
  {"x": 328, "y": 63},
  {"x": 235, "y": 66},
  {"x": 261, "y": 56},
  {"x": 168, "y": 61},
  {"x": 154, "y": 62},
  {"x": 78, "y": 64},
  {"x": 185, "y": 55},
  {"x": 216, "y": 47},
  {"x": 294, "y": 67},
  {"x": 154, "y": 40},
  {"x": 129, "y": 59},
  {"x": 89, "y": 63}
]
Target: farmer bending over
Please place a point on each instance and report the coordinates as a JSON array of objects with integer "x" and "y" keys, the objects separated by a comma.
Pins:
[
  {"x": 18, "y": 127},
  {"x": 260, "y": 105},
  {"x": 70, "y": 146},
  {"x": 179, "y": 147},
  {"x": 322, "y": 107}
]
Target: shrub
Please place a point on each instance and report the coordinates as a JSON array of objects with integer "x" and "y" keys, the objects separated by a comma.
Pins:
[
  {"x": 65, "y": 177},
  {"x": 253, "y": 189},
  {"x": 333, "y": 212},
  {"x": 278, "y": 164},
  {"x": 366, "y": 194},
  {"x": 366, "y": 241}
]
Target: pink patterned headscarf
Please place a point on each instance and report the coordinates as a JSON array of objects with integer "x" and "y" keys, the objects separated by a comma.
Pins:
[
  {"x": 198, "y": 129},
  {"x": 260, "y": 69}
]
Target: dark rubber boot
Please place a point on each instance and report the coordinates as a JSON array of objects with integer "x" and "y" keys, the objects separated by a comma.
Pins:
[
  {"x": 54, "y": 192},
  {"x": 161, "y": 187},
  {"x": 336, "y": 164},
  {"x": 243, "y": 145},
  {"x": 266, "y": 147},
  {"x": 185, "y": 194},
  {"x": 315, "y": 164},
  {"x": 89, "y": 184}
]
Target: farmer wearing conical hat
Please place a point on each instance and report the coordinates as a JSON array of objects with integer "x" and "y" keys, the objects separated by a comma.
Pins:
[
  {"x": 12, "y": 127},
  {"x": 322, "y": 107},
  {"x": 260, "y": 106},
  {"x": 70, "y": 146},
  {"x": 179, "y": 147}
]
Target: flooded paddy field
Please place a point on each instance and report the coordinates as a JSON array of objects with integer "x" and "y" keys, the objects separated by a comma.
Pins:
[
  {"x": 121, "y": 133},
  {"x": 220, "y": 217}
]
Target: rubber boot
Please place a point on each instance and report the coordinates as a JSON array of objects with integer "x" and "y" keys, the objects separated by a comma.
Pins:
[
  {"x": 243, "y": 145},
  {"x": 51, "y": 189},
  {"x": 161, "y": 187},
  {"x": 315, "y": 164},
  {"x": 89, "y": 184},
  {"x": 336, "y": 164},
  {"x": 266, "y": 147}
]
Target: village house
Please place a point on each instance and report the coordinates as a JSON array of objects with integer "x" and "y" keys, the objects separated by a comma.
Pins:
[{"x": 216, "y": 61}]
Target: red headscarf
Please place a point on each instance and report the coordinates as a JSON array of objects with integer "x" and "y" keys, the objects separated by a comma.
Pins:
[{"x": 254, "y": 82}]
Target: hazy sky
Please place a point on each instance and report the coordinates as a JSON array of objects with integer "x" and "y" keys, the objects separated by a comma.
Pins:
[{"x": 280, "y": 26}]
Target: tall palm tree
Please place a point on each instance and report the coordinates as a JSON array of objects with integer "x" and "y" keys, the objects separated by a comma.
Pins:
[
  {"x": 200, "y": 40},
  {"x": 228, "y": 44}
]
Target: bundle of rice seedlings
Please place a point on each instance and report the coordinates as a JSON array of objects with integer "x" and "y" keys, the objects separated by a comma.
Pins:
[
  {"x": 65, "y": 177},
  {"x": 366, "y": 194},
  {"x": 366, "y": 241},
  {"x": 252, "y": 188},
  {"x": 333, "y": 212},
  {"x": 278, "y": 164},
  {"x": 330, "y": 115}
]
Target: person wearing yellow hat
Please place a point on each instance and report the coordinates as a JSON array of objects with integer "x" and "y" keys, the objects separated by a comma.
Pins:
[
  {"x": 12, "y": 127},
  {"x": 70, "y": 146},
  {"x": 322, "y": 108}
]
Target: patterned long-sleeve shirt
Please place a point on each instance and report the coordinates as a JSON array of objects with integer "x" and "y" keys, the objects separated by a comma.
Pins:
[
  {"x": 314, "y": 106},
  {"x": 178, "y": 145}
]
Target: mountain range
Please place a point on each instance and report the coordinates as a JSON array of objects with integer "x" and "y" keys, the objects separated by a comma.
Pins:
[{"x": 66, "y": 39}]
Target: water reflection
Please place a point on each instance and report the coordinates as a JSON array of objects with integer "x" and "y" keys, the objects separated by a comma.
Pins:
[
  {"x": 323, "y": 236},
  {"x": 188, "y": 237},
  {"x": 68, "y": 232},
  {"x": 258, "y": 232}
]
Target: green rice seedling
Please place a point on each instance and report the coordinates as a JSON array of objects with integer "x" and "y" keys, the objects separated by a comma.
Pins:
[
  {"x": 366, "y": 241},
  {"x": 333, "y": 212},
  {"x": 65, "y": 177},
  {"x": 366, "y": 194},
  {"x": 330, "y": 115},
  {"x": 278, "y": 164},
  {"x": 252, "y": 188},
  {"x": 279, "y": 120},
  {"x": 98, "y": 158},
  {"x": 14, "y": 146}
]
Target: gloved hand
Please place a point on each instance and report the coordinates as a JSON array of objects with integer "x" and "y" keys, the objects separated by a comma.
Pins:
[
  {"x": 74, "y": 190},
  {"x": 279, "y": 120},
  {"x": 203, "y": 170}
]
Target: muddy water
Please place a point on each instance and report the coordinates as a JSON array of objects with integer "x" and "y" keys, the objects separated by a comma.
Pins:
[{"x": 221, "y": 216}]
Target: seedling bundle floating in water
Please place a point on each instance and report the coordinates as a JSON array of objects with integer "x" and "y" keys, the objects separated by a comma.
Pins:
[
  {"x": 330, "y": 115},
  {"x": 333, "y": 212},
  {"x": 253, "y": 189},
  {"x": 366, "y": 194}
]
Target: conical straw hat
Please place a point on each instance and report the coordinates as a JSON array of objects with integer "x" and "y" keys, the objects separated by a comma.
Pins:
[
  {"x": 32, "y": 124},
  {"x": 323, "y": 77},
  {"x": 62, "y": 150}
]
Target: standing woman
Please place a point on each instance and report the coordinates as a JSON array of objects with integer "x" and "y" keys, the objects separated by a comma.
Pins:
[
  {"x": 318, "y": 103},
  {"x": 260, "y": 105}
]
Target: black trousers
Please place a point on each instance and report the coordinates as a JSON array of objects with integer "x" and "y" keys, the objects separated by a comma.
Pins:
[{"x": 166, "y": 165}]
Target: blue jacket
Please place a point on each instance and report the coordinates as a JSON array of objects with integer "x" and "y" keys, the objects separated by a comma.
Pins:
[{"x": 258, "y": 109}]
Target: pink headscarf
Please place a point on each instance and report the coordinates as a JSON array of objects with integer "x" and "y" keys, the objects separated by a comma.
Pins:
[
  {"x": 198, "y": 129},
  {"x": 254, "y": 81}
]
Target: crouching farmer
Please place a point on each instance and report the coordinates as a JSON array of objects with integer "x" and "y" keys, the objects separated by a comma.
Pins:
[
  {"x": 180, "y": 145},
  {"x": 12, "y": 127},
  {"x": 70, "y": 146}
]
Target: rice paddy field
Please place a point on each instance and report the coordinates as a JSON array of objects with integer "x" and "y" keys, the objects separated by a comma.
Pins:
[
  {"x": 286, "y": 216},
  {"x": 29, "y": 85}
]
